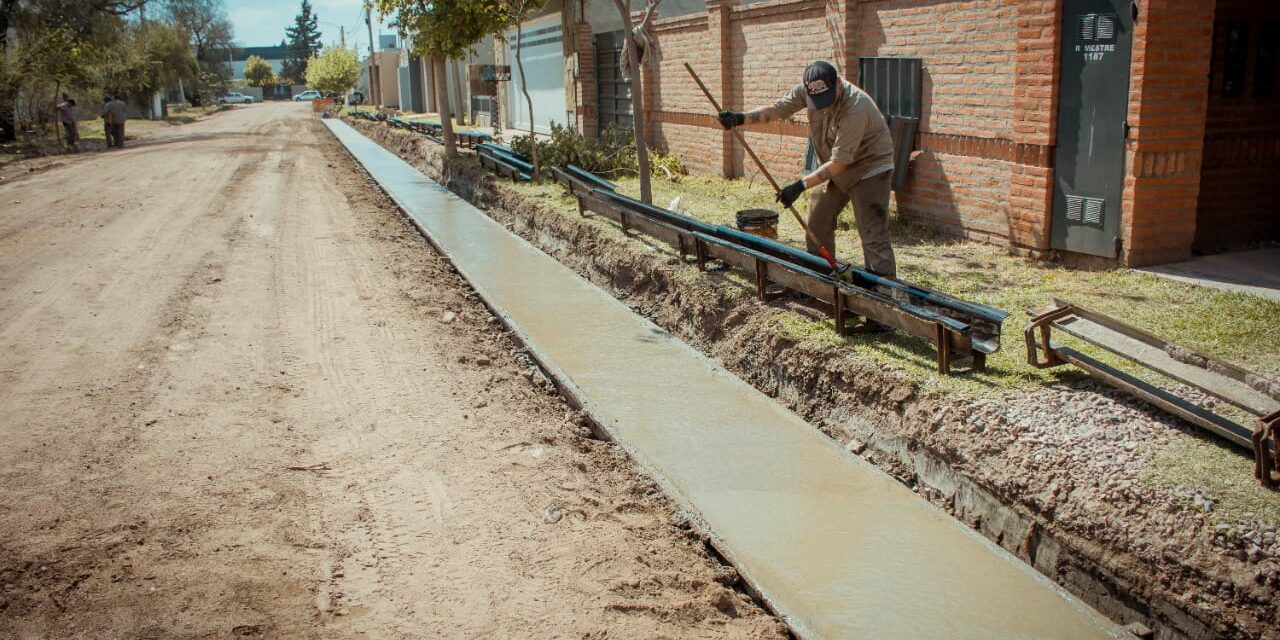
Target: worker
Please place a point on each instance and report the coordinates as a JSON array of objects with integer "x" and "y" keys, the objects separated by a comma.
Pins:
[
  {"x": 67, "y": 117},
  {"x": 114, "y": 115},
  {"x": 852, "y": 142}
]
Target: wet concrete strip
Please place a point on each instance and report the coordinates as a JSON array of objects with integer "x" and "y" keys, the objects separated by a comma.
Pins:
[{"x": 835, "y": 546}]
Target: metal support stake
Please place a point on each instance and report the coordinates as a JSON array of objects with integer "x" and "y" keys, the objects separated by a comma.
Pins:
[
  {"x": 979, "y": 361},
  {"x": 762, "y": 280},
  {"x": 840, "y": 312},
  {"x": 1266, "y": 444},
  {"x": 944, "y": 350},
  {"x": 700, "y": 252}
]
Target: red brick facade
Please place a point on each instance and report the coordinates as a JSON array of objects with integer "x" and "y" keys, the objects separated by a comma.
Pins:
[{"x": 983, "y": 161}]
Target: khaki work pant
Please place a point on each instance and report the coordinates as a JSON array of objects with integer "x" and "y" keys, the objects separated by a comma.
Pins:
[{"x": 870, "y": 199}]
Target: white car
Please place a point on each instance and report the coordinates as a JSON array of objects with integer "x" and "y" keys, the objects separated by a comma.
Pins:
[
  {"x": 307, "y": 96},
  {"x": 237, "y": 98}
]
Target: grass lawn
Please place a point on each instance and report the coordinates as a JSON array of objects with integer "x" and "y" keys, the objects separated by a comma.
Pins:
[{"x": 1235, "y": 327}]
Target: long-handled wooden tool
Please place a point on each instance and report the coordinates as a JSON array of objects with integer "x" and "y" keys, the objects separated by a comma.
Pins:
[{"x": 822, "y": 250}]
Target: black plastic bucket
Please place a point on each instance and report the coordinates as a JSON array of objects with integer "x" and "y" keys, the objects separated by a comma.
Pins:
[{"x": 759, "y": 222}]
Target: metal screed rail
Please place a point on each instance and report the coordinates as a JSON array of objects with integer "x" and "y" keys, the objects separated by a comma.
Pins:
[{"x": 959, "y": 329}]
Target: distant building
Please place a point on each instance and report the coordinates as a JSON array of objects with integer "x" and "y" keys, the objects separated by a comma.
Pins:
[{"x": 274, "y": 55}]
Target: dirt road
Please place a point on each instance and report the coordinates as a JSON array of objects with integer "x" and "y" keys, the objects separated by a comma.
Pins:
[{"x": 238, "y": 397}]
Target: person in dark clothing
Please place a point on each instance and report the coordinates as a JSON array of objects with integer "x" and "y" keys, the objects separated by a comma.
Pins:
[
  {"x": 114, "y": 115},
  {"x": 67, "y": 116}
]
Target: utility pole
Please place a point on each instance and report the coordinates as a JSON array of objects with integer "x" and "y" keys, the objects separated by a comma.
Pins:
[
  {"x": 373, "y": 66},
  {"x": 342, "y": 36}
]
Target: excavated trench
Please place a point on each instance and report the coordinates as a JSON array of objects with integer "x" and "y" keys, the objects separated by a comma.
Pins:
[{"x": 876, "y": 412}]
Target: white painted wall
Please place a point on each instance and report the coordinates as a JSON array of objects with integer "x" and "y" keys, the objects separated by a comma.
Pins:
[{"x": 543, "y": 55}]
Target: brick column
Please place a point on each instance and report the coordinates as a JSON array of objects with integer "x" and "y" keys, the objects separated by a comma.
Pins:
[
  {"x": 841, "y": 15},
  {"x": 1168, "y": 101},
  {"x": 1035, "y": 105},
  {"x": 721, "y": 82},
  {"x": 587, "y": 90}
]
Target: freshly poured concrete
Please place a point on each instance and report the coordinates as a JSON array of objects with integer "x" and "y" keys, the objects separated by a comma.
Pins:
[{"x": 837, "y": 547}]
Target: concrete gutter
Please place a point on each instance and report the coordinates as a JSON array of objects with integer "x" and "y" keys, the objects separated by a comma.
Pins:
[{"x": 834, "y": 546}]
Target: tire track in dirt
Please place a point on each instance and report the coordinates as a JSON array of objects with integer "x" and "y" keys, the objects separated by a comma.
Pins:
[{"x": 295, "y": 320}]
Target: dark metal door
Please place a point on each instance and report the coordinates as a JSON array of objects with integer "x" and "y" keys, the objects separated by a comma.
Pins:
[
  {"x": 1093, "y": 103},
  {"x": 613, "y": 92}
]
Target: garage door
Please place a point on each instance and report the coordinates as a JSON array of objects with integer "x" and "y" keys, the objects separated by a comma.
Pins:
[{"x": 542, "y": 52}]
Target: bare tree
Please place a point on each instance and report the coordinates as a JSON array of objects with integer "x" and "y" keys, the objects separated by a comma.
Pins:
[
  {"x": 517, "y": 9},
  {"x": 641, "y": 47},
  {"x": 440, "y": 75}
]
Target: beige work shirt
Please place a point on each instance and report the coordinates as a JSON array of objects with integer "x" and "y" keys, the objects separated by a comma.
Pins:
[
  {"x": 851, "y": 132},
  {"x": 115, "y": 112}
]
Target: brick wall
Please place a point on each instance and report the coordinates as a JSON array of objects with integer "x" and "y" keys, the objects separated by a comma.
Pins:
[
  {"x": 973, "y": 158},
  {"x": 1237, "y": 202},
  {"x": 1167, "y": 103},
  {"x": 961, "y": 179},
  {"x": 982, "y": 163}
]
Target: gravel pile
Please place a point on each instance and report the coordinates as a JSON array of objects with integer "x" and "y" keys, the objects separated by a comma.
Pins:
[{"x": 1079, "y": 453}]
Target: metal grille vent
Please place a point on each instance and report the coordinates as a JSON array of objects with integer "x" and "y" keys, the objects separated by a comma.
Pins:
[
  {"x": 1106, "y": 27},
  {"x": 1093, "y": 209},
  {"x": 1075, "y": 208},
  {"x": 1088, "y": 22},
  {"x": 1082, "y": 210}
]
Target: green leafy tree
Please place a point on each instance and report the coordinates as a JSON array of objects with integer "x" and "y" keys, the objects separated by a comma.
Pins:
[
  {"x": 258, "y": 73},
  {"x": 447, "y": 29},
  {"x": 304, "y": 44},
  {"x": 335, "y": 70}
]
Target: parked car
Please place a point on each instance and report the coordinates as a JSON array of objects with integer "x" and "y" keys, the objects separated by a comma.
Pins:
[
  {"x": 307, "y": 96},
  {"x": 237, "y": 98}
]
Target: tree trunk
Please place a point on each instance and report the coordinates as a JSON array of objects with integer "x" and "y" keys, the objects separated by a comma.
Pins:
[
  {"x": 524, "y": 88},
  {"x": 57, "y": 122},
  {"x": 463, "y": 104},
  {"x": 446, "y": 111},
  {"x": 637, "y": 117}
]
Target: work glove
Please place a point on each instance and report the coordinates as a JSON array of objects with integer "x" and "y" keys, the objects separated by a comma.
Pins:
[
  {"x": 791, "y": 193},
  {"x": 731, "y": 119}
]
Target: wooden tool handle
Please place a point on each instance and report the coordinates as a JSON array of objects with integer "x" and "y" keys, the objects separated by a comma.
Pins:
[{"x": 822, "y": 250}]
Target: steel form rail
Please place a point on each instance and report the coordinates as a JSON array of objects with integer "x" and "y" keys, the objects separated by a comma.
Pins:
[
  {"x": 432, "y": 130},
  {"x": 955, "y": 333},
  {"x": 504, "y": 161},
  {"x": 1244, "y": 389}
]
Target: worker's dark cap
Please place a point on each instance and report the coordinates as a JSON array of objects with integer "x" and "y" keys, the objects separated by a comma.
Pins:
[{"x": 820, "y": 81}]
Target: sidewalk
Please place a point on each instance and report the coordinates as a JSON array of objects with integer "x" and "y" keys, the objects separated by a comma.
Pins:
[{"x": 1255, "y": 272}]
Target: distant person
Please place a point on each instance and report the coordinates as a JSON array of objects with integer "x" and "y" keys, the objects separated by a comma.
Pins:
[
  {"x": 67, "y": 116},
  {"x": 114, "y": 115}
]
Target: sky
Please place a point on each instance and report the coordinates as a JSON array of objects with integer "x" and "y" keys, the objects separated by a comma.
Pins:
[{"x": 262, "y": 22}]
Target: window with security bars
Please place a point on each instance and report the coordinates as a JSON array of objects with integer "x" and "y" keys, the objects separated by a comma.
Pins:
[{"x": 894, "y": 83}]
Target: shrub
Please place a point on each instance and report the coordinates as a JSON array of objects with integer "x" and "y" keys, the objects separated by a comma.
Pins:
[{"x": 613, "y": 154}]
